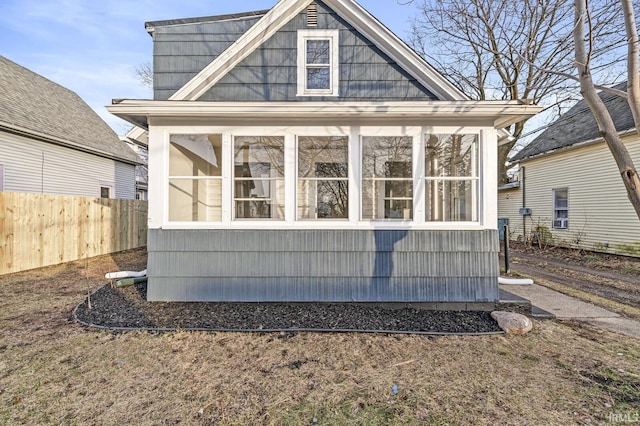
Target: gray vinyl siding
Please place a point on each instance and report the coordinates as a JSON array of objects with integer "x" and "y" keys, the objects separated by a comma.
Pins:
[
  {"x": 182, "y": 51},
  {"x": 33, "y": 166},
  {"x": 323, "y": 266},
  {"x": 270, "y": 72}
]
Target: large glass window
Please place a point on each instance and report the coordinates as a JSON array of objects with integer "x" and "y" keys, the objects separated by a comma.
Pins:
[
  {"x": 561, "y": 208},
  {"x": 323, "y": 185},
  {"x": 451, "y": 173},
  {"x": 195, "y": 178},
  {"x": 387, "y": 178},
  {"x": 259, "y": 177}
]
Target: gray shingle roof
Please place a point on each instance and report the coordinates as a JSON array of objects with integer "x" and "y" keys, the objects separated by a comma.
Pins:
[
  {"x": 31, "y": 103},
  {"x": 579, "y": 125}
]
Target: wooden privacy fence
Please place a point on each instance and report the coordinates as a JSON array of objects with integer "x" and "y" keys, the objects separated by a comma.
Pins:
[{"x": 38, "y": 230}]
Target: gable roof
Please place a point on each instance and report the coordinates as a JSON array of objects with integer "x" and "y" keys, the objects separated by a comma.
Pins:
[
  {"x": 34, "y": 106},
  {"x": 350, "y": 11},
  {"x": 578, "y": 125}
]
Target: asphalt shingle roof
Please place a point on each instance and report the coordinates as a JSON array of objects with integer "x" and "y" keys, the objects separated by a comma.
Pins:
[
  {"x": 579, "y": 125},
  {"x": 29, "y": 101}
]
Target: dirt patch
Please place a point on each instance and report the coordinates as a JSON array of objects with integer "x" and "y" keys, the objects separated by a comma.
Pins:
[
  {"x": 128, "y": 308},
  {"x": 615, "y": 278}
]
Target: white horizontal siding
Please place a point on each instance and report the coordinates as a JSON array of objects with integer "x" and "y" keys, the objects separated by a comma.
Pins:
[
  {"x": 33, "y": 166},
  {"x": 600, "y": 214}
]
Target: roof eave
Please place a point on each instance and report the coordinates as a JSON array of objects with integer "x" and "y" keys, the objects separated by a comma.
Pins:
[
  {"x": 498, "y": 113},
  {"x": 20, "y": 131}
]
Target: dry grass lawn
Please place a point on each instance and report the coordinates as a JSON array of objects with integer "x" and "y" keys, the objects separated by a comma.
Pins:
[{"x": 53, "y": 371}]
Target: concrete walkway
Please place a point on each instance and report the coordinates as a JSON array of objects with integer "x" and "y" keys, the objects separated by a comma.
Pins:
[{"x": 567, "y": 307}]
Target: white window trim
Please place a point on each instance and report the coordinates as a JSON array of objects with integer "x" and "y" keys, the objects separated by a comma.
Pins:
[
  {"x": 1, "y": 177},
  {"x": 565, "y": 221},
  {"x": 334, "y": 41},
  {"x": 158, "y": 193}
]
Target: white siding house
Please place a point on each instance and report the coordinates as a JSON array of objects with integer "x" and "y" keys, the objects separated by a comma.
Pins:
[
  {"x": 52, "y": 142},
  {"x": 572, "y": 186}
]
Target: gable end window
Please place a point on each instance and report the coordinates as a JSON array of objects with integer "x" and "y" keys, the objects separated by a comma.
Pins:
[
  {"x": 561, "y": 208},
  {"x": 318, "y": 58}
]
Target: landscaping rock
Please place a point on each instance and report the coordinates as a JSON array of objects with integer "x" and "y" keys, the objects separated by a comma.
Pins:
[{"x": 512, "y": 323}]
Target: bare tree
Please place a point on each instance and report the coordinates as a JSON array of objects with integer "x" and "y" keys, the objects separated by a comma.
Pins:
[
  {"x": 500, "y": 49},
  {"x": 583, "y": 35},
  {"x": 144, "y": 72}
]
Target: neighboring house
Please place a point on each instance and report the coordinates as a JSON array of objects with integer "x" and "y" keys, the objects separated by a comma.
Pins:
[
  {"x": 52, "y": 142},
  {"x": 572, "y": 186},
  {"x": 138, "y": 140},
  {"x": 306, "y": 154}
]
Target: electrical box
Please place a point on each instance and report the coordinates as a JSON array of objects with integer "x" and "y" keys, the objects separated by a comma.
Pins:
[{"x": 525, "y": 212}]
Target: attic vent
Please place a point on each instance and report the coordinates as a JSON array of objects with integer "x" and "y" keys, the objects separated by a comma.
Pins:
[{"x": 312, "y": 15}]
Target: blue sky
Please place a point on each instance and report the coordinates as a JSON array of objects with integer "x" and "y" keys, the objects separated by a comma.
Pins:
[{"x": 93, "y": 46}]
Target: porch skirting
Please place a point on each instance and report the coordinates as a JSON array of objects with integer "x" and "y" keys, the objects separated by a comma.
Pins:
[{"x": 416, "y": 266}]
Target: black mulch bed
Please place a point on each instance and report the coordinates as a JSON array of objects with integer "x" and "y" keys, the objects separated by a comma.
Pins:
[{"x": 127, "y": 308}]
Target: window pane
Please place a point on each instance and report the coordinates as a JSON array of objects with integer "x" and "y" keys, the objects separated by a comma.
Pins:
[
  {"x": 385, "y": 199},
  {"x": 195, "y": 155},
  {"x": 451, "y": 155},
  {"x": 323, "y": 156},
  {"x": 319, "y": 78},
  {"x": 195, "y": 200},
  {"x": 561, "y": 198},
  {"x": 387, "y": 157},
  {"x": 259, "y": 156},
  {"x": 323, "y": 199},
  {"x": 451, "y": 201},
  {"x": 259, "y": 177},
  {"x": 318, "y": 52}
]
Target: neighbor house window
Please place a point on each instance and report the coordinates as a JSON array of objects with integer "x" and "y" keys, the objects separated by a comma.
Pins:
[
  {"x": 323, "y": 179},
  {"x": 318, "y": 58},
  {"x": 451, "y": 178},
  {"x": 387, "y": 178},
  {"x": 106, "y": 189},
  {"x": 561, "y": 208},
  {"x": 195, "y": 178},
  {"x": 259, "y": 177}
]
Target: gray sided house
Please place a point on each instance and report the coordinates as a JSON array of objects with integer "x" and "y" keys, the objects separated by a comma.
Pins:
[
  {"x": 52, "y": 142},
  {"x": 569, "y": 185},
  {"x": 306, "y": 154}
]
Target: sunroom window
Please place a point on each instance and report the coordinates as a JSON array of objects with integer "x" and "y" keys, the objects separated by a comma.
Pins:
[
  {"x": 259, "y": 177},
  {"x": 195, "y": 178},
  {"x": 451, "y": 175},
  {"x": 318, "y": 59},
  {"x": 387, "y": 178},
  {"x": 323, "y": 179}
]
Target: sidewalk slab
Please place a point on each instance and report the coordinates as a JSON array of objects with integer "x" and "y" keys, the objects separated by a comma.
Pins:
[{"x": 560, "y": 305}]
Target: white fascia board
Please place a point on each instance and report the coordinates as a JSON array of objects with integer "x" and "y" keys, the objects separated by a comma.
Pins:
[
  {"x": 501, "y": 113},
  {"x": 268, "y": 25},
  {"x": 398, "y": 50}
]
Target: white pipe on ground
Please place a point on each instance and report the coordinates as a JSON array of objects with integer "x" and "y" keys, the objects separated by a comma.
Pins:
[
  {"x": 125, "y": 274},
  {"x": 514, "y": 281}
]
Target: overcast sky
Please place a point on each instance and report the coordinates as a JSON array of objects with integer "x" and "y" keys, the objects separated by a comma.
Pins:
[{"x": 93, "y": 46}]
